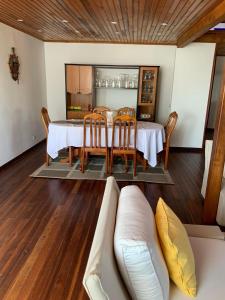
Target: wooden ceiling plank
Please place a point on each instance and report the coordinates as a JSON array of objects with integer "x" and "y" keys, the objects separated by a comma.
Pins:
[
  {"x": 101, "y": 19},
  {"x": 24, "y": 30},
  {"x": 172, "y": 12},
  {"x": 113, "y": 16},
  {"x": 159, "y": 7},
  {"x": 195, "y": 8},
  {"x": 125, "y": 19},
  {"x": 213, "y": 17},
  {"x": 106, "y": 21},
  {"x": 85, "y": 25},
  {"x": 140, "y": 20},
  {"x": 118, "y": 9},
  {"x": 84, "y": 14},
  {"x": 177, "y": 17},
  {"x": 29, "y": 22},
  {"x": 75, "y": 20},
  {"x": 162, "y": 13},
  {"x": 129, "y": 4},
  {"x": 41, "y": 18},
  {"x": 73, "y": 23},
  {"x": 146, "y": 18},
  {"x": 152, "y": 11}
]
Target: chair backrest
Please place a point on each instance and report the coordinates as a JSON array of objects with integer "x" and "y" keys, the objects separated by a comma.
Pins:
[
  {"x": 126, "y": 111},
  {"x": 95, "y": 122},
  {"x": 45, "y": 118},
  {"x": 101, "y": 110},
  {"x": 127, "y": 127},
  {"x": 170, "y": 125}
]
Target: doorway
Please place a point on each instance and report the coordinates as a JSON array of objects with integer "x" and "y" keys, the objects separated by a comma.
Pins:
[{"x": 215, "y": 96}]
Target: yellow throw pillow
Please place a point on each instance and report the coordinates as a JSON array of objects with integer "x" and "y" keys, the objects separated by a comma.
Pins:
[{"x": 176, "y": 249}]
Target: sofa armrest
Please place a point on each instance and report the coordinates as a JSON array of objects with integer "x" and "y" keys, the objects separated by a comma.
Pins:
[{"x": 204, "y": 231}]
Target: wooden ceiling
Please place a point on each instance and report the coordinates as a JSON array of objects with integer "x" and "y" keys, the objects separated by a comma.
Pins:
[{"x": 135, "y": 21}]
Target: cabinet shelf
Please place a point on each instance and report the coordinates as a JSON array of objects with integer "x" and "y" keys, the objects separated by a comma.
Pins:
[
  {"x": 147, "y": 92},
  {"x": 115, "y": 88}
]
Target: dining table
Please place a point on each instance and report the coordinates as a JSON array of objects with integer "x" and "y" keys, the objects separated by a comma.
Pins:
[{"x": 62, "y": 134}]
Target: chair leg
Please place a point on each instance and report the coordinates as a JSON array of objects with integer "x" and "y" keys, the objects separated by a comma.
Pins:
[
  {"x": 70, "y": 156},
  {"x": 47, "y": 159},
  {"x": 107, "y": 161},
  {"x": 135, "y": 163},
  {"x": 166, "y": 158},
  {"x": 126, "y": 163},
  {"x": 145, "y": 164},
  {"x": 111, "y": 162},
  {"x": 82, "y": 161}
]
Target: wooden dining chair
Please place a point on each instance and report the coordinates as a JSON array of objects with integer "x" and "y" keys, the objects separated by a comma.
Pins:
[
  {"x": 101, "y": 110},
  {"x": 124, "y": 127},
  {"x": 46, "y": 121},
  {"x": 92, "y": 140},
  {"x": 169, "y": 128},
  {"x": 126, "y": 111}
]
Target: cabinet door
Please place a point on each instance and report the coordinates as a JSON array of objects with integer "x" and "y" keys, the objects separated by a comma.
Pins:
[
  {"x": 86, "y": 79},
  {"x": 72, "y": 79}
]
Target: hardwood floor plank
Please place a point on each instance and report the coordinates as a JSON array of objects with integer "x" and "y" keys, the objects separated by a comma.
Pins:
[{"x": 47, "y": 225}]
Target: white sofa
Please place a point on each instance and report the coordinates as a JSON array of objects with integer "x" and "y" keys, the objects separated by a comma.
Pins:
[{"x": 102, "y": 280}]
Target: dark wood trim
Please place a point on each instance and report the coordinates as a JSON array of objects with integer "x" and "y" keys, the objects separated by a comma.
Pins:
[
  {"x": 111, "y": 66},
  {"x": 216, "y": 164},
  {"x": 210, "y": 19},
  {"x": 212, "y": 36},
  {"x": 186, "y": 149},
  {"x": 22, "y": 154},
  {"x": 110, "y": 42}
]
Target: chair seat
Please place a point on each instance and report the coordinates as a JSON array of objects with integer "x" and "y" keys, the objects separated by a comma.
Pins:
[{"x": 210, "y": 270}]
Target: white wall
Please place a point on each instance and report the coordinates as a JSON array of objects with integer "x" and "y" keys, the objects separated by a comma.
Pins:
[
  {"x": 220, "y": 63},
  {"x": 57, "y": 54},
  {"x": 20, "y": 104},
  {"x": 191, "y": 86}
]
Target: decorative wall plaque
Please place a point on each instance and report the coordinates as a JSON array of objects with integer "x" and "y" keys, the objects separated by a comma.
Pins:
[{"x": 14, "y": 65}]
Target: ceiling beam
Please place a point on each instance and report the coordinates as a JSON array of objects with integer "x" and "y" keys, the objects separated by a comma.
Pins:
[
  {"x": 217, "y": 37},
  {"x": 209, "y": 20},
  {"x": 213, "y": 36}
]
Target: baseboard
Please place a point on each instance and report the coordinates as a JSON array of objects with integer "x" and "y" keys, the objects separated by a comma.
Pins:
[
  {"x": 20, "y": 155},
  {"x": 185, "y": 149}
]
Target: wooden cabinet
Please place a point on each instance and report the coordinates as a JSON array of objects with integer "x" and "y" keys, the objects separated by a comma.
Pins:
[
  {"x": 86, "y": 79},
  {"x": 72, "y": 79},
  {"x": 79, "y": 90},
  {"x": 147, "y": 93}
]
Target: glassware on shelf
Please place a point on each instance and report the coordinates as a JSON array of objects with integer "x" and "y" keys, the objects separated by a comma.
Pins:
[
  {"x": 102, "y": 82},
  {"x": 128, "y": 81},
  {"x": 149, "y": 75},
  {"x": 106, "y": 82},
  {"x": 118, "y": 82},
  {"x": 113, "y": 83}
]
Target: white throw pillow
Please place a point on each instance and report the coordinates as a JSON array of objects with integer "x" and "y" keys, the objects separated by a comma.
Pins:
[{"x": 137, "y": 248}]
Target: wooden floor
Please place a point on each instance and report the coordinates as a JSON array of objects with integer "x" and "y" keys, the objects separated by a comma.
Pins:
[{"x": 47, "y": 226}]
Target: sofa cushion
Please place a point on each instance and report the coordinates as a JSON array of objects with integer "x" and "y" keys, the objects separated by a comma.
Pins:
[
  {"x": 137, "y": 248},
  {"x": 102, "y": 280},
  {"x": 176, "y": 248},
  {"x": 210, "y": 270}
]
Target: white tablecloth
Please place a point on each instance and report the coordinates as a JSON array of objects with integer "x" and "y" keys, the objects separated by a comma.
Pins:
[{"x": 150, "y": 138}]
